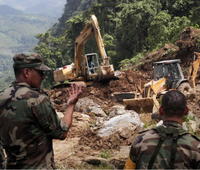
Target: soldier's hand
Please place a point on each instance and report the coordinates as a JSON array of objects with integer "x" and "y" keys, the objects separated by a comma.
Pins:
[{"x": 74, "y": 92}]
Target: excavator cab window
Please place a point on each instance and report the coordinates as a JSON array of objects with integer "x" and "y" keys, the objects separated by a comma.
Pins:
[{"x": 92, "y": 62}]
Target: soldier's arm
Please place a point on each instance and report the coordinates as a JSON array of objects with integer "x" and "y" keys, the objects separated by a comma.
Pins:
[
  {"x": 74, "y": 93},
  {"x": 46, "y": 115}
]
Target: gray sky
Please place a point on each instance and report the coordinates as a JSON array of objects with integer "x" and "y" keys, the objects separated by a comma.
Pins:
[{"x": 24, "y": 4}]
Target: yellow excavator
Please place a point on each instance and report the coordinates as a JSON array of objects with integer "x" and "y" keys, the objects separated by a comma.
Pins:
[
  {"x": 194, "y": 68},
  {"x": 87, "y": 66},
  {"x": 167, "y": 75}
]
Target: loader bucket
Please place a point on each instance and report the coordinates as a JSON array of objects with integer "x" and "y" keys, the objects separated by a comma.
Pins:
[{"x": 140, "y": 105}]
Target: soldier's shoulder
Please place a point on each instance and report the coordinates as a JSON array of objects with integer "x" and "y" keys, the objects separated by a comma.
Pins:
[
  {"x": 24, "y": 92},
  {"x": 6, "y": 93},
  {"x": 192, "y": 137},
  {"x": 36, "y": 97},
  {"x": 145, "y": 135},
  {"x": 190, "y": 140}
]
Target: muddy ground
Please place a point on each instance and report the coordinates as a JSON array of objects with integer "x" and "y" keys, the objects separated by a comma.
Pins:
[
  {"x": 83, "y": 148},
  {"x": 83, "y": 145}
]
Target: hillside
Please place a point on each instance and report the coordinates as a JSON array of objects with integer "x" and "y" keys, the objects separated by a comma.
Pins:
[
  {"x": 136, "y": 33},
  {"x": 130, "y": 29},
  {"x": 104, "y": 127},
  {"x": 17, "y": 34}
]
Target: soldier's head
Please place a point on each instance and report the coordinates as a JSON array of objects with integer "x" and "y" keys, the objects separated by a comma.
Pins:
[
  {"x": 29, "y": 69},
  {"x": 174, "y": 104}
]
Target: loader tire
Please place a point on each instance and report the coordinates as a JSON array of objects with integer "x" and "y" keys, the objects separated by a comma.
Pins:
[{"x": 185, "y": 88}]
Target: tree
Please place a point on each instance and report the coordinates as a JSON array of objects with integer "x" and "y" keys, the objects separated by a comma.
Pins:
[
  {"x": 135, "y": 20},
  {"x": 165, "y": 28}
]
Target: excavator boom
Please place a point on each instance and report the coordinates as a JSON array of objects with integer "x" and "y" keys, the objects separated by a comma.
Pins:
[
  {"x": 81, "y": 70},
  {"x": 92, "y": 29}
]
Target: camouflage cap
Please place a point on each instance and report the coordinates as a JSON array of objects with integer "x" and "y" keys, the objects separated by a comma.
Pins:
[{"x": 29, "y": 61}]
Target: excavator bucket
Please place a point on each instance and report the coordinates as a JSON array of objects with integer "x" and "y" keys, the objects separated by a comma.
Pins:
[
  {"x": 107, "y": 73},
  {"x": 140, "y": 105}
]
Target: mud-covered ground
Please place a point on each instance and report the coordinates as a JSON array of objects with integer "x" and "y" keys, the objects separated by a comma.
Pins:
[{"x": 82, "y": 142}]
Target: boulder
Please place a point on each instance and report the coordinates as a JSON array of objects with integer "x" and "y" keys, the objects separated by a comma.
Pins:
[
  {"x": 121, "y": 124},
  {"x": 87, "y": 105},
  {"x": 117, "y": 110}
]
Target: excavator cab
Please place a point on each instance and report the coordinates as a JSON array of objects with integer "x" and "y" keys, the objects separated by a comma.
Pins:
[
  {"x": 92, "y": 63},
  {"x": 87, "y": 67}
]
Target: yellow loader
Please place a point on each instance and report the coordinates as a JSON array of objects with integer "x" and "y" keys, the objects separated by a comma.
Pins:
[{"x": 167, "y": 75}]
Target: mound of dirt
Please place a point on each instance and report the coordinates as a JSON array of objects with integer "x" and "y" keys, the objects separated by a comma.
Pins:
[
  {"x": 101, "y": 92},
  {"x": 183, "y": 49},
  {"x": 89, "y": 138},
  {"x": 168, "y": 52}
]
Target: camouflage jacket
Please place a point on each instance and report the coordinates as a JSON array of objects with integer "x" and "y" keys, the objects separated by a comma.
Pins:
[
  {"x": 187, "y": 155},
  {"x": 28, "y": 123}
]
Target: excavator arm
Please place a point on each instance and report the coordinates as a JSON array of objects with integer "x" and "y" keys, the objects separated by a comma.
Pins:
[
  {"x": 79, "y": 70},
  {"x": 193, "y": 70},
  {"x": 85, "y": 34},
  {"x": 92, "y": 29}
]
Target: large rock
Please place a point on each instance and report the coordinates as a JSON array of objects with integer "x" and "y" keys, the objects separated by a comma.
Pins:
[
  {"x": 87, "y": 105},
  {"x": 121, "y": 124},
  {"x": 117, "y": 110}
]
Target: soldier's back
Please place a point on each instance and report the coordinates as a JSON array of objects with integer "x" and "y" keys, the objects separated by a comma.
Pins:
[{"x": 184, "y": 153}]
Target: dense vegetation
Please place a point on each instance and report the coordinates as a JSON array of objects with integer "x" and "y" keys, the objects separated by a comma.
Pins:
[{"x": 130, "y": 28}]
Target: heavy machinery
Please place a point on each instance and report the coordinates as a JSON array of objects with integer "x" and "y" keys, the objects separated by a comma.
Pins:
[
  {"x": 166, "y": 75},
  {"x": 89, "y": 66},
  {"x": 194, "y": 68}
]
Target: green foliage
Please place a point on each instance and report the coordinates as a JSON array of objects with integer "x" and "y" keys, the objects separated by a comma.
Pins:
[
  {"x": 165, "y": 28},
  {"x": 105, "y": 154},
  {"x": 195, "y": 13},
  {"x": 129, "y": 28},
  {"x": 127, "y": 63},
  {"x": 52, "y": 50},
  {"x": 135, "y": 20}
]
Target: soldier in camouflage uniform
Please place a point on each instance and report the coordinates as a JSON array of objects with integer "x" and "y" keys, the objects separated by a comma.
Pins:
[
  {"x": 167, "y": 146},
  {"x": 28, "y": 122}
]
